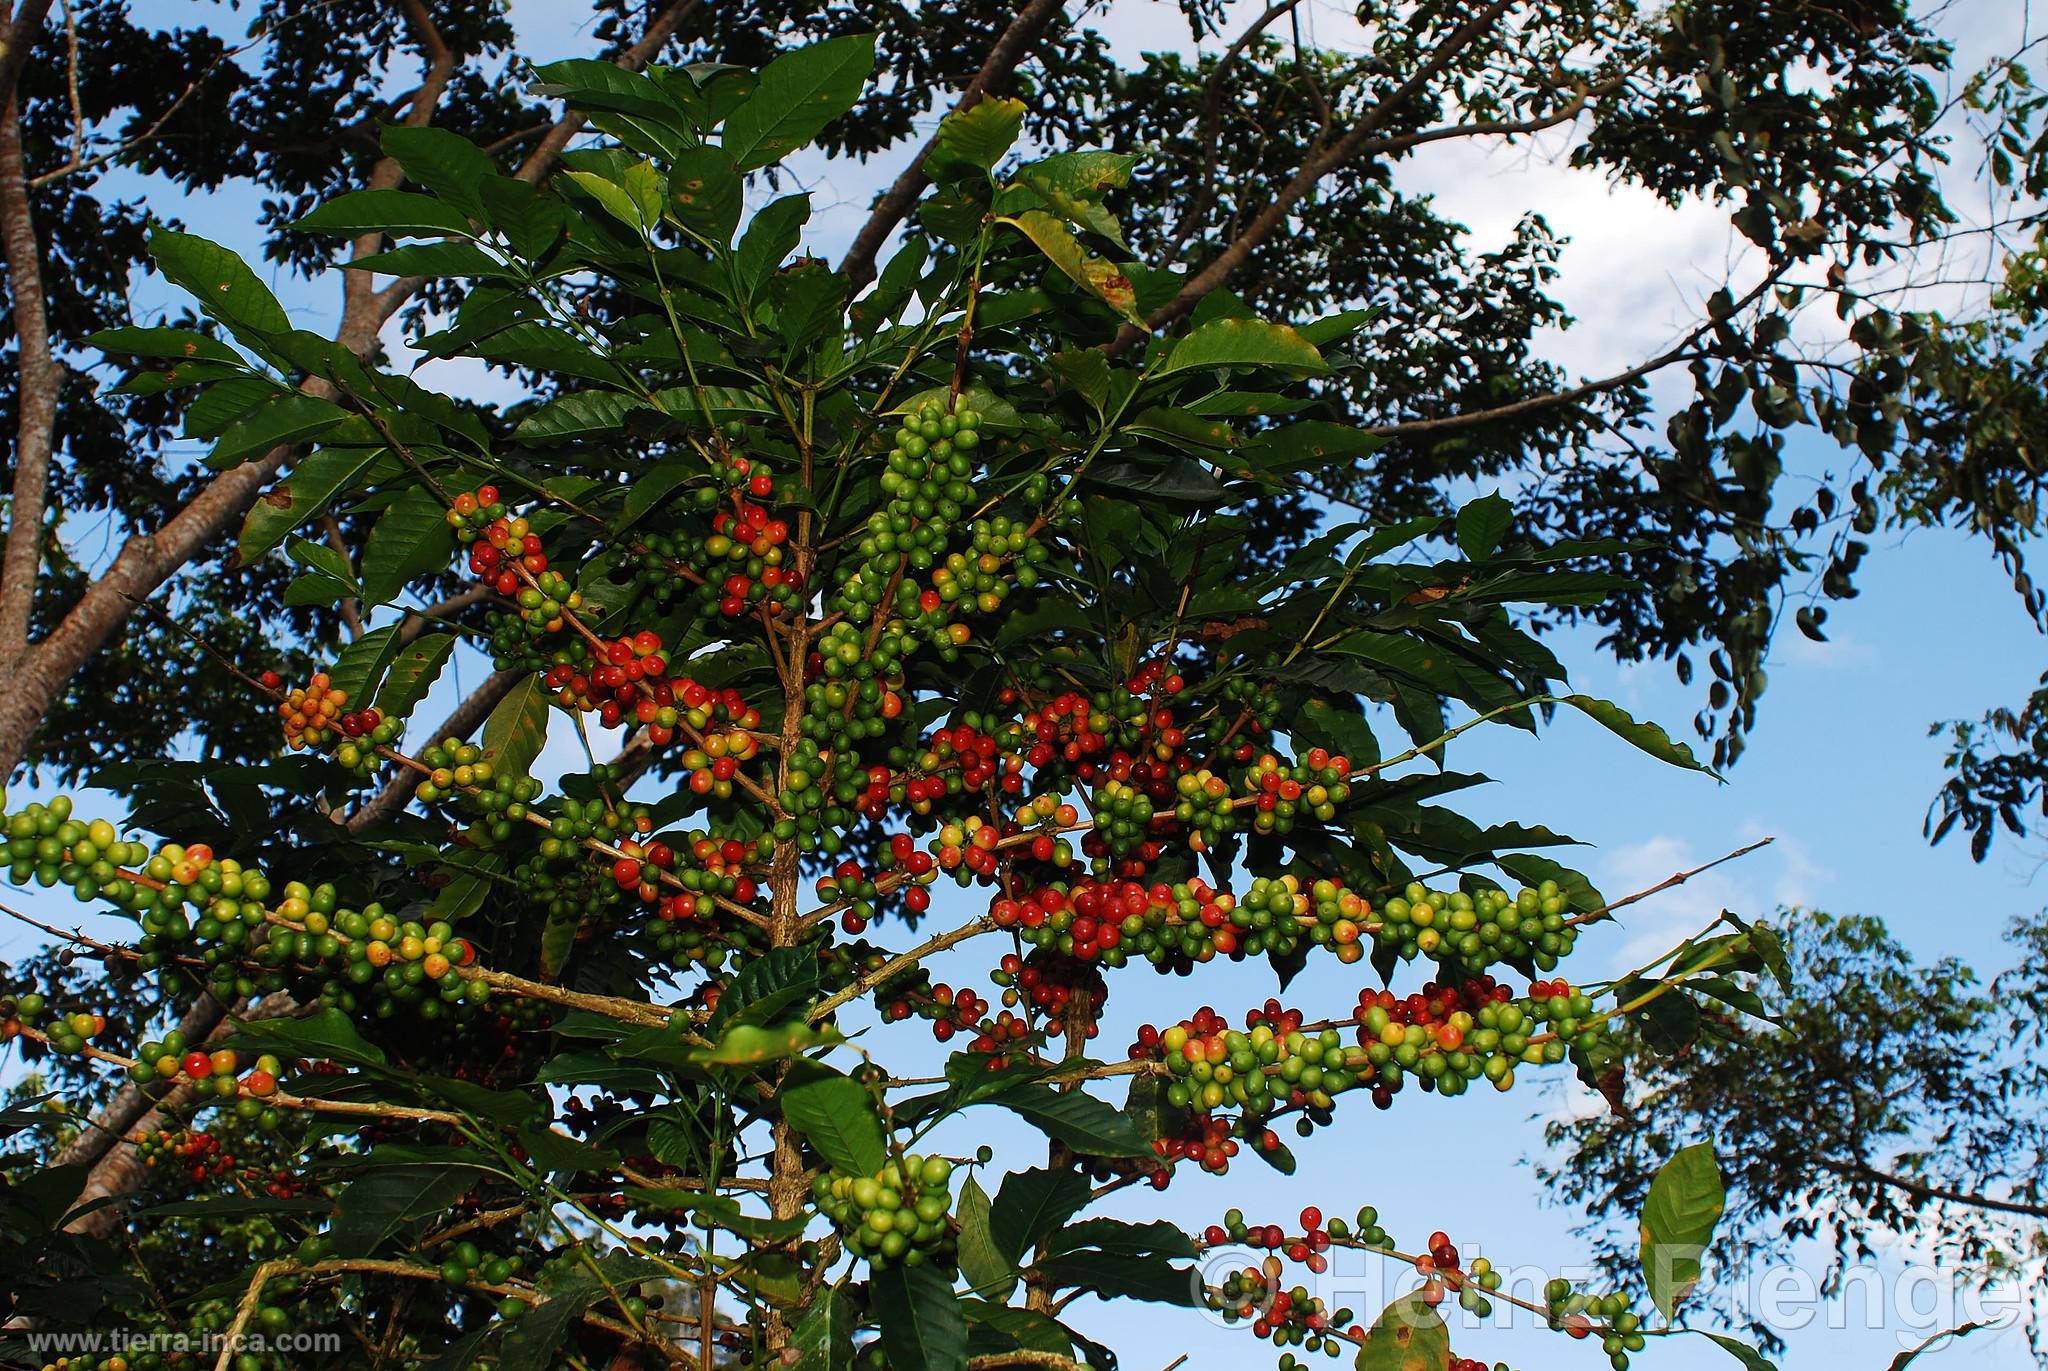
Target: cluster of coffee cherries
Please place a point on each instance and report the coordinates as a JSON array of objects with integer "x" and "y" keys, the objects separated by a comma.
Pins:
[
  {"x": 47, "y": 845},
  {"x": 1470, "y": 932},
  {"x": 1288, "y": 1316},
  {"x": 1450, "y": 1036},
  {"x": 896, "y": 1216},
  {"x": 1281, "y": 792},
  {"x": 467, "y": 1264},
  {"x": 1583, "y": 1315},
  {"x": 1269, "y": 1066},
  {"x": 365, "y": 960},
  {"x": 196, "y": 1156},
  {"x": 727, "y": 726},
  {"x": 206, "y": 1073},
  {"x": 66, "y": 1034},
  {"x": 312, "y": 712},
  {"x": 742, "y": 559},
  {"x": 1046, "y": 983}
]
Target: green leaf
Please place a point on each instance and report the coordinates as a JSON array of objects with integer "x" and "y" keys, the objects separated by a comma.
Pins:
[
  {"x": 396, "y": 212},
  {"x": 411, "y": 538},
  {"x": 1120, "y": 1276},
  {"x": 1156, "y": 1239},
  {"x": 443, "y": 161},
  {"x": 1243, "y": 343},
  {"x": 1480, "y": 525},
  {"x": 923, "y": 1327},
  {"x": 824, "y": 1340},
  {"x": 518, "y": 728},
  {"x": 289, "y": 417},
  {"x": 619, "y": 201},
  {"x": 1076, "y": 1118},
  {"x": 433, "y": 259},
  {"x": 1073, "y": 183},
  {"x": 465, "y": 892},
  {"x": 170, "y": 344},
  {"x": 1650, "y": 737},
  {"x": 531, "y": 1343},
  {"x": 413, "y": 672},
  {"x": 838, "y": 1116},
  {"x": 800, "y": 92},
  {"x": 359, "y": 666},
  {"x": 973, "y": 140},
  {"x": 579, "y": 414},
  {"x": 1031, "y": 1204},
  {"x": 1679, "y": 1214},
  {"x": 980, "y": 1262},
  {"x": 324, "y": 1035},
  {"x": 1751, "y": 1359},
  {"x": 766, "y": 986},
  {"x": 1103, "y": 279},
  {"x": 299, "y": 497},
  {"x": 1409, "y": 1335},
  {"x": 705, "y": 193},
  {"x": 371, "y": 1208},
  {"x": 222, "y": 283}
]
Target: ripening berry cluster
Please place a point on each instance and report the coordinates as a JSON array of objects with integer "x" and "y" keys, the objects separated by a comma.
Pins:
[
  {"x": 1269, "y": 1066},
  {"x": 312, "y": 713},
  {"x": 1584, "y": 1315},
  {"x": 896, "y": 1216},
  {"x": 1280, "y": 793},
  {"x": 1469, "y": 933},
  {"x": 66, "y": 1034}
]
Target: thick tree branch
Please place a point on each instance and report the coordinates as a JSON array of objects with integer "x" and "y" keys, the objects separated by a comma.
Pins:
[
  {"x": 119, "y": 1170},
  {"x": 16, "y": 38},
  {"x": 1011, "y": 48},
  {"x": 35, "y": 679},
  {"x": 41, "y": 378}
]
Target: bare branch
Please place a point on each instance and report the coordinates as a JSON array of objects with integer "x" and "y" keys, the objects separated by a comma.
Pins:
[
  {"x": 1343, "y": 151},
  {"x": 1682, "y": 350},
  {"x": 896, "y": 202}
]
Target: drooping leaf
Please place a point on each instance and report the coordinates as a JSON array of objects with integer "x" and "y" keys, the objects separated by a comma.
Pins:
[
  {"x": 1481, "y": 523},
  {"x": 1088, "y": 1125},
  {"x": 1031, "y": 1204},
  {"x": 289, "y": 417},
  {"x": 1650, "y": 737},
  {"x": 1679, "y": 1213},
  {"x": 413, "y": 673},
  {"x": 923, "y": 1327},
  {"x": 974, "y": 139},
  {"x": 1105, "y": 280},
  {"x": 360, "y": 666},
  {"x": 837, "y": 1115},
  {"x": 987, "y": 1271},
  {"x": 1961, "y": 1330},
  {"x": 1122, "y": 1276},
  {"x": 397, "y": 212},
  {"x": 517, "y": 729},
  {"x": 410, "y": 538},
  {"x": 314, "y": 481},
  {"x": 222, "y": 283},
  {"x": 823, "y": 1341},
  {"x": 371, "y": 1207}
]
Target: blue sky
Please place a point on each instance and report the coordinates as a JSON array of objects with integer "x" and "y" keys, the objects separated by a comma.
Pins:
[{"x": 1840, "y": 771}]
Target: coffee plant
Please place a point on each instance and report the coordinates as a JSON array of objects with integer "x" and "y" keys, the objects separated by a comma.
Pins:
[{"x": 918, "y": 621}]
